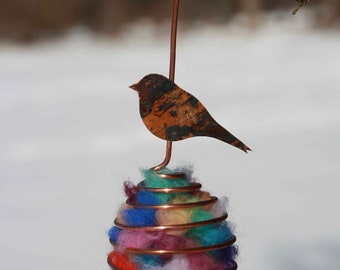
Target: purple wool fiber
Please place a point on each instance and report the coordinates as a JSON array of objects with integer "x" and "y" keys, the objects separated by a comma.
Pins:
[
  {"x": 201, "y": 261},
  {"x": 225, "y": 255},
  {"x": 174, "y": 242}
]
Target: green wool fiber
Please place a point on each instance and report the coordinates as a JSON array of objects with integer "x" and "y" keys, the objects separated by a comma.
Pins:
[
  {"x": 153, "y": 180},
  {"x": 198, "y": 216},
  {"x": 201, "y": 215},
  {"x": 164, "y": 197}
]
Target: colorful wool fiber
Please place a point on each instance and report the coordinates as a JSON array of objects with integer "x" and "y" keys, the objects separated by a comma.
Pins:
[
  {"x": 153, "y": 222},
  {"x": 175, "y": 216},
  {"x": 139, "y": 217},
  {"x": 114, "y": 232},
  {"x": 225, "y": 255},
  {"x": 137, "y": 239},
  {"x": 121, "y": 261},
  {"x": 153, "y": 180},
  {"x": 203, "y": 261},
  {"x": 178, "y": 262},
  {"x": 148, "y": 198},
  {"x": 130, "y": 190}
]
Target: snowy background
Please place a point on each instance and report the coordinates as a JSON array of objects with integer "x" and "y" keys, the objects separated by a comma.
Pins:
[{"x": 71, "y": 134}]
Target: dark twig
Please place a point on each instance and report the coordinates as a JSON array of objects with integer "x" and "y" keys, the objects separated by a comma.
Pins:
[{"x": 301, "y": 3}]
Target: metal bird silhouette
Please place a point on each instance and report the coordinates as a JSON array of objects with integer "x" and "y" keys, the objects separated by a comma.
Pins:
[{"x": 173, "y": 114}]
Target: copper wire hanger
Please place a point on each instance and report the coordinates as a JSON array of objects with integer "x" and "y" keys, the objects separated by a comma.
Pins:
[{"x": 171, "y": 78}]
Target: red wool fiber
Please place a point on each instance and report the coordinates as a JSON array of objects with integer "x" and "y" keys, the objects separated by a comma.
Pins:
[
  {"x": 121, "y": 261},
  {"x": 130, "y": 190}
]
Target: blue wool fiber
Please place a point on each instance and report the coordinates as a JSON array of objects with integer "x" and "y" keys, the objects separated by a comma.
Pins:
[
  {"x": 113, "y": 234},
  {"x": 199, "y": 232},
  {"x": 147, "y": 198},
  {"x": 139, "y": 217},
  {"x": 211, "y": 234},
  {"x": 215, "y": 236},
  {"x": 148, "y": 261},
  {"x": 226, "y": 254}
]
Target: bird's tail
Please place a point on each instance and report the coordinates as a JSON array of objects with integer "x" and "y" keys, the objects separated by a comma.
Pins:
[
  {"x": 237, "y": 143},
  {"x": 227, "y": 137}
]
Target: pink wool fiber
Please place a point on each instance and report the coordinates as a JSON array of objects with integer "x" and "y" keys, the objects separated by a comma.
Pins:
[
  {"x": 167, "y": 241},
  {"x": 137, "y": 239},
  {"x": 202, "y": 261}
]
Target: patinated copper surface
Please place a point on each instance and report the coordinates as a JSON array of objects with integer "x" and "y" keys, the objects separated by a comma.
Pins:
[{"x": 173, "y": 114}]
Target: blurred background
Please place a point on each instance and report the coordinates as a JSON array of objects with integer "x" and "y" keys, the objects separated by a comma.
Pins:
[
  {"x": 70, "y": 131},
  {"x": 29, "y": 20}
]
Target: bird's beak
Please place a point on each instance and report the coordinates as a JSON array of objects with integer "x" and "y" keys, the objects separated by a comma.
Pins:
[{"x": 134, "y": 87}]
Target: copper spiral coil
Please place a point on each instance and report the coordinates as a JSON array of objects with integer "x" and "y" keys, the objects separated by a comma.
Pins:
[
  {"x": 181, "y": 251},
  {"x": 212, "y": 200},
  {"x": 171, "y": 227},
  {"x": 234, "y": 265},
  {"x": 189, "y": 188},
  {"x": 175, "y": 227}
]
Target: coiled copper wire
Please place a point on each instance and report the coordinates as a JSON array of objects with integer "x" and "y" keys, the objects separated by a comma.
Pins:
[
  {"x": 171, "y": 227},
  {"x": 181, "y": 251},
  {"x": 212, "y": 200},
  {"x": 176, "y": 227},
  {"x": 189, "y": 188}
]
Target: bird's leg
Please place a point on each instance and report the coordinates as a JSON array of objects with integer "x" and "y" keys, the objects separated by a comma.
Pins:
[{"x": 167, "y": 157}]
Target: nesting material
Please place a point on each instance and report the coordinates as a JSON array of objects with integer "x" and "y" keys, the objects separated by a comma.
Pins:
[{"x": 168, "y": 223}]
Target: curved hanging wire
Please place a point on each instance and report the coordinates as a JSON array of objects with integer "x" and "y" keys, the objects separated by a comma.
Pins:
[{"x": 171, "y": 75}]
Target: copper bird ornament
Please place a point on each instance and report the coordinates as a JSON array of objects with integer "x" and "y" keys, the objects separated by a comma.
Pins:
[{"x": 173, "y": 114}]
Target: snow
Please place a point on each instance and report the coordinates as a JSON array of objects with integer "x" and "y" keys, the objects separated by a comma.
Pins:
[{"x": 71, "y": 134}]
